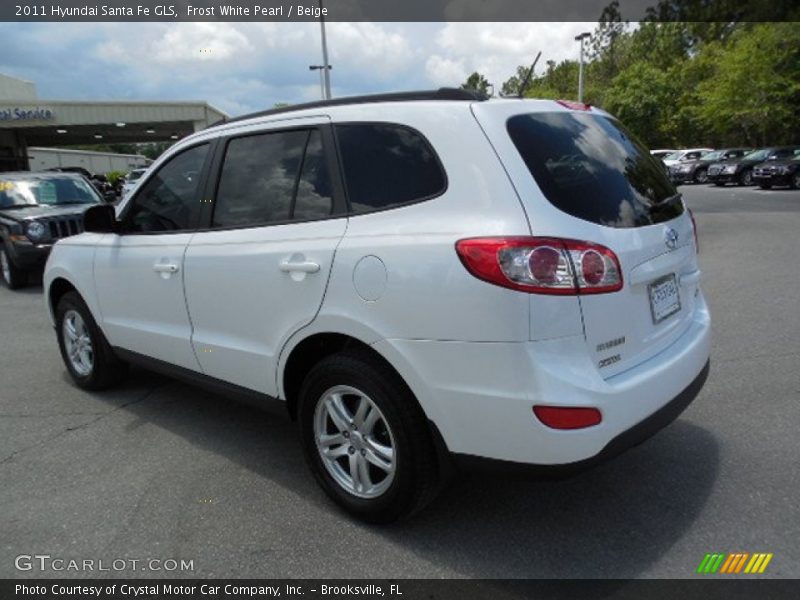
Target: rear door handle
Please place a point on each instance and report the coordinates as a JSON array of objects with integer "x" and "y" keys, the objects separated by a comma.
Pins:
[
  {"x": 165, "y": 268},
  {"x": 298, "y": 267}
]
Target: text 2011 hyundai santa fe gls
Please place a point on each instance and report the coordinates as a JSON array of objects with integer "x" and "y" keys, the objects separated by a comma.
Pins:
[{"x": 415, "y": 275}]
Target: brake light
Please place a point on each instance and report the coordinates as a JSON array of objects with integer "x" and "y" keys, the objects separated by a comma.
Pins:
[
  {"x": 559, "y": 417},
  {"x": 694, "y": 229},
  {"x": 539, "y": 265},
  {"x": 572, "y": 105}
]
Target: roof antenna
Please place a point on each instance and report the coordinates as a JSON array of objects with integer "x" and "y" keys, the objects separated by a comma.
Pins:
[{"x": 524, "y": 85}]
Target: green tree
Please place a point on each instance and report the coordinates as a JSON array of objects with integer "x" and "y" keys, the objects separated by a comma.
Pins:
[
  {"x": 753, "y": 93},
  {"x": 477, "y": 82}
]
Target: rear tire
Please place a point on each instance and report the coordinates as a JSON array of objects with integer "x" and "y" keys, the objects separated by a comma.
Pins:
[
  {"x": 795, "y": 182},
  {"x": 13, "y": 276},
  {"x": 746, "y": 178},
  {"x": 383, "y": 465},
  {"x": 87, "y": 355}
]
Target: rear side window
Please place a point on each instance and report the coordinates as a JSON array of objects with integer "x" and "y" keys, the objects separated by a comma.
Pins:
[
  {"x": 592, "y": 168},
  {"x": 387, "y": 165},
  {"x": 258, "y": 178}
]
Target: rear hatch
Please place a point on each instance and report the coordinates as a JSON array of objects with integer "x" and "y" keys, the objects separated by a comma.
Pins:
[{"x": 582, "y": 175}]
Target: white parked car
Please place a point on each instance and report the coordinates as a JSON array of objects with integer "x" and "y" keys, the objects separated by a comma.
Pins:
[
  {"x": 662, "y": 153},
  {"x": 683, "y": 155},
  {"x": 416, "y": 276},
  {"x": 131, "y": 180}
]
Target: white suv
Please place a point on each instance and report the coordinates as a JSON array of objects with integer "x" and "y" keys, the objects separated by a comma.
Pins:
[{"x": 416, "y": 276}]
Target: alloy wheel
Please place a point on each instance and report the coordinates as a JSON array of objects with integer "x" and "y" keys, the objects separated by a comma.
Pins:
[
  {"x": 355, "y": 442},
  {"x": 78, "y": 343}
]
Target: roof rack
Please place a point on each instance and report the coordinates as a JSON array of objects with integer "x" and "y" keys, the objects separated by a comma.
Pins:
[{"x": 440, "y": 94}]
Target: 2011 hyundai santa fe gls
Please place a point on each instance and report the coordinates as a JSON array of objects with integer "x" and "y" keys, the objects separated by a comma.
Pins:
[{"x": 415, "y": 275}]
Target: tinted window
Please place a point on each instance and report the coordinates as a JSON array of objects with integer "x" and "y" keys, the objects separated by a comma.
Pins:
[
  {"x": 386, "y": 165},
  {"x": 592, "y": 168},
  {"x": 258, "y": 178},
  {"x": 314, "y": 198},
  {"x": 168, "y": 200}
]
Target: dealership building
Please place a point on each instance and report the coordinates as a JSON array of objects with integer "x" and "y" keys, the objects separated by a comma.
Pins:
[{"x": 27, "y": 121}]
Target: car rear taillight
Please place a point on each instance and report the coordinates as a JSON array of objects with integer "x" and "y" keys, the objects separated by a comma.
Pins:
[
  {"x": 560, "y": 417},
  {"x": 540, "y": 265},
  {"x": 694, "y": 229}
]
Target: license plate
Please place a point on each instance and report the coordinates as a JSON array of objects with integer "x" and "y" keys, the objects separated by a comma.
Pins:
[{"x": 665, "y": 299}]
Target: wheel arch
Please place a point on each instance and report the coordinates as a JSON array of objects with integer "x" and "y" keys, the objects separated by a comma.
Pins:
[{"x": 307, "y": 351}]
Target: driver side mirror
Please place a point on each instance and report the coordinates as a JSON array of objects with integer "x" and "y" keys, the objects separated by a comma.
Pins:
[{"x": 101, "y": 218}]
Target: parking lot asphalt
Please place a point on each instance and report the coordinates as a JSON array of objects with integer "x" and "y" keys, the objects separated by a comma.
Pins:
[{"x": 159, "y": 469}]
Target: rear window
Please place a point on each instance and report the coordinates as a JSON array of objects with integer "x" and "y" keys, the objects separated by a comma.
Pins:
[
  {"x": 386, "y": 165},
  {"x": 592, "y": 168}
]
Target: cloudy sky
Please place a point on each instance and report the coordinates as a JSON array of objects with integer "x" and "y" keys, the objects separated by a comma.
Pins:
[{"x": 242, "y": 67}]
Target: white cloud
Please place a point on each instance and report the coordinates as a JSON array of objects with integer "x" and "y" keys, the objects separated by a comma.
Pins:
[
  {"x": 249, "y": 66},
  {"x": 497, "y": 49}
]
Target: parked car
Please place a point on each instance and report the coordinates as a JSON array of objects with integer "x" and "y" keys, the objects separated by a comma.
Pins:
[
  {"x": 98, "y": 180},
  {"x": 696, "y": 171},
  {"x": 36, "y": 210},
  {"x": 740, "y": 170},
  {"x": 685, "y": 155},
  {"x": 416, "y": 276},
  {"x": 131, "y": 179},
  {"x": 662, "y": 153},
  {"x": 779, "y": 172}
]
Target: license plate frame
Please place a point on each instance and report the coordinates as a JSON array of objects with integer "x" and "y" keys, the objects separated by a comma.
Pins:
[{"x": 662, "y": 309}]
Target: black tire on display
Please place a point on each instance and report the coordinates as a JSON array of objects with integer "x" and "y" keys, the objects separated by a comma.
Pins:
[
  {"x": 366, "y": 439},
  {"x": 11, "y": 275},
  {"x": 87, "y": 355}
]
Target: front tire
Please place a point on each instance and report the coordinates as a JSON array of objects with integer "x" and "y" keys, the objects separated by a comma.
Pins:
[
  {"x": 366, "y": 438},
  {"x": 87, "y": 355},
  {"x": 13, "y": 276},
  {"x": 701, "y": 176},
  {"x": 746, "y": 178},
  {"x": 795, "y": 182}
]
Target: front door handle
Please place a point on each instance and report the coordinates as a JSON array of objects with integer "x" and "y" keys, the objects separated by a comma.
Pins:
[
  {"x": 165, "y": 268},
  {"x": 298, "y": 267}
]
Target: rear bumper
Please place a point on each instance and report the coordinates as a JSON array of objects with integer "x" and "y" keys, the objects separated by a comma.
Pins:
[
  {"x": 629, "y": 438},
  {"x": 481, "y": 395}
]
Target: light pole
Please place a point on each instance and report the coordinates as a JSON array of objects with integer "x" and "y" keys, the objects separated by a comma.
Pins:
[
  {"x": 326, "y": 67},
  {"x": 580, "y": 38},
  {"x": 319, "y": 68}
]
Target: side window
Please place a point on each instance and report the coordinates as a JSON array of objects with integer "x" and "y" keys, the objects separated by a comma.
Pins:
[
  {"x": 314, "y": 199},
  {"x": 168, "y": 201},
  {"x": 386, "y": 165},
  {"x": 259, "y": 177}
]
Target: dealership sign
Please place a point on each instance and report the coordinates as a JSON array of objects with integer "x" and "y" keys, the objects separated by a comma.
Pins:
[{"x": 17, "y": 113}]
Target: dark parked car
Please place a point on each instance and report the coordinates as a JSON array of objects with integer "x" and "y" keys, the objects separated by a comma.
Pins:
[
  {"x": 36, "y": 210},
  {"x": 696, "y": 171},
  {"x": 779, "y": 172},
  {"x": 98, "y": 180},
  {"x": 740, "y": 171}
]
